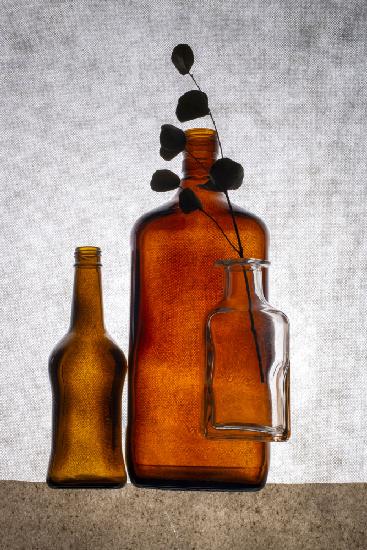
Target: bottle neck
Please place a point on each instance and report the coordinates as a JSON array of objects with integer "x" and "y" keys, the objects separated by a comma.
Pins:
[
  {"x": 200, "y": 154},
  {"x": 87, "y": 306},
  {"x": 244, "y": 285},
  {"x": 196, "y": 166}
]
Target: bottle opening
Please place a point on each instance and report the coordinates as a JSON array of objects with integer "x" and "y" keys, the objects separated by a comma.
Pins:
[
  {"x": 201, "y": 139},
  {"x": 88, "y": 256},
  {"x": 239, "y": 264},
  {"x": 207, "y": 133}
]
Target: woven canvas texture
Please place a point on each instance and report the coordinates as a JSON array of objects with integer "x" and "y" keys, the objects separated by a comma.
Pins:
[{"x": 84, "y": 87}]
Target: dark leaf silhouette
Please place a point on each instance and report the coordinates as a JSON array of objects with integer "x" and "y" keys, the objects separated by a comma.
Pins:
[
  {"x": 173, "y": 141},
  {"x": 164, "y": 180},
  {"x": 168, "y": 154},
  {"x": 192, "y": 104},
  {"x": 183, "y": 58},
  {"x": 226, "y": 174},
  {"x": 188, "y": 201}
]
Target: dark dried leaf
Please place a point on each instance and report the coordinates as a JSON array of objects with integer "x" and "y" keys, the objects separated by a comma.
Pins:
[
  {"x": 172, "y": 138},
  {"x": 183, "y": 58},
  {"x": 164, "y": 180},
  {"x": 192, "y": 104},
  {"x": 226, "y": 174},
  {"x": 168, "y": 154},
  {"x": 188, "y": 201}
]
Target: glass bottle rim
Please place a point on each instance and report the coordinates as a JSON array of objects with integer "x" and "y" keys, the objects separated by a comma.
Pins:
[
  {"x": 200, "y": 133},
  {"x": 239, "y": 262},
  {"x": 87, "y": 256},
  {"x": 88, "y": 250}
]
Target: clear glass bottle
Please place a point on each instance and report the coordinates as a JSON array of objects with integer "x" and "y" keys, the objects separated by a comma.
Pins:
[
  {"x": 174, "y": 287},
  {"x": 87, "y": 371},
  {"x": 247, "y": 360}
]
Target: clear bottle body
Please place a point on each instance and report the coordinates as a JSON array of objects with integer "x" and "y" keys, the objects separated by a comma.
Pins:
[{"x": 247, "y": 360}]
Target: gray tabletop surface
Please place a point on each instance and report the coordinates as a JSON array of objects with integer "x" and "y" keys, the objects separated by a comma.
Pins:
[{"x": 32, "y": 516}]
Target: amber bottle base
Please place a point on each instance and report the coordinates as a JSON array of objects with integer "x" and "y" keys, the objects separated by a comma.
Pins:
[
  {"x": 86, "y": 484},
  {"x": 191, "y": 484},
  {"x": 180, "y": 485},
  {"x": 197, "y": 486}
]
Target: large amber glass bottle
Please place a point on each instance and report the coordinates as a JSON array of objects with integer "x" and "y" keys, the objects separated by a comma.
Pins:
[
  {"x": 174, "y": 287},
  {"x": 87, "y": 371}
]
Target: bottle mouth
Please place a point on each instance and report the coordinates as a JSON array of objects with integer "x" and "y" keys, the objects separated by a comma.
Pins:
[
  {"x": 202, "y": 143},
  {"x": 88, "y": 256},
  {"x": 238, "y": 263},
  {"x": 207, "y": 133}
]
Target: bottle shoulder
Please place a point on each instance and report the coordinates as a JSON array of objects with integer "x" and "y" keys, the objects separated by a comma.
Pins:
[
  {"x": 73, "y": 344},
  {"x": 167, "y": 232},
  {"x": 250, "y": 217},
  {"x": 155, "y": 218},
  {"x": 114, "y": 348},
  {"x": 165, "y": 209}
]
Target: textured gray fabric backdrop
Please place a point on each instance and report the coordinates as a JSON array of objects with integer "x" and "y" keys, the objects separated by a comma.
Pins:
[{"x": 85, "y": 87}]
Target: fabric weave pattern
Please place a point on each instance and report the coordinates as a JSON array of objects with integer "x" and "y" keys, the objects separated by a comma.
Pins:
[{"x": 85, "y": 87}]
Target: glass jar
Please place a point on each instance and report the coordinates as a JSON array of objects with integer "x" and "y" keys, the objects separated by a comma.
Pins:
[{"x": 246, "y": 390}]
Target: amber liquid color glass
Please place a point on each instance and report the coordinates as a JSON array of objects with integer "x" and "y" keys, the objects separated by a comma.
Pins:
[
  {"x": 174, "y": 287},
  {"x": 87, "y": 371}
]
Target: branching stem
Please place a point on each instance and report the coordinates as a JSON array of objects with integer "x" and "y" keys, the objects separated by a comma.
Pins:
[
  {"x": 219, "y": 227},
  {"x": 239, "y": 250}
]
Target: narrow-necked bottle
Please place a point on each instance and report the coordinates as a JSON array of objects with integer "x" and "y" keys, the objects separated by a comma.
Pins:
[
  {"x": 174, "y": 287},
  {"x": 87, "y": 371}
]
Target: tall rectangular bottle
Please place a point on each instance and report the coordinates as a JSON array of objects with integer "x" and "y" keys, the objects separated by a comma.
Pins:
[{"x": 174, "y": 285}]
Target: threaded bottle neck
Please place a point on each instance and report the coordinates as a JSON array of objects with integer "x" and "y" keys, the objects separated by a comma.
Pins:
[
  {"x": 87, "y": 256},
  {"x": 87, "y": 306}
]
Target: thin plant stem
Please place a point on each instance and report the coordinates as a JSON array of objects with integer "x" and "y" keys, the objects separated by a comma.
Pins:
[
  {"x": 253, "y": 328},
  {"x": 216, "y": 130},
  {"x": 217, "y": 224},
  {"x": 219, "y": 227},
  {"x": 251, "y": 314},
  {"x": 196, "y": 84},
  {"x": 239, "y": 250},
  {"x": 211, "y": 116},
  {"x": 240, "y": 247}
]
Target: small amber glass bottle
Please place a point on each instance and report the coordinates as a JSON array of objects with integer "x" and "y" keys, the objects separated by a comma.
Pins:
[{"x": 87, "y": 371}]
